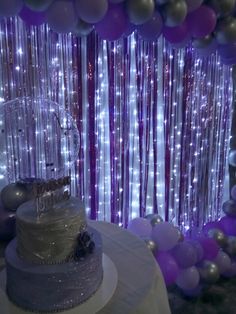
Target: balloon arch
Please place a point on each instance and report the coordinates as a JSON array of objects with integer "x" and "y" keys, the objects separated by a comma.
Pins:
[{"x": 209, "y": 25}]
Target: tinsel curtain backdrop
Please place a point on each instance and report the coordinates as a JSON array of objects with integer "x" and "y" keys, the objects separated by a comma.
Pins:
[{"x": 154, "y": 121}]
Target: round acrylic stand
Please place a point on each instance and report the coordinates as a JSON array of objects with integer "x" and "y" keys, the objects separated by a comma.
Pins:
[{"x": 91, "y": 306}]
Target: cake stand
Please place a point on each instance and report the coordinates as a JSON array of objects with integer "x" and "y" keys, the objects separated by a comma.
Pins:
[{"x": 91, "y": 306}]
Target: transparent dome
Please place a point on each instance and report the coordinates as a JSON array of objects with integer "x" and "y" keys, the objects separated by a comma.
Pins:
[{"x": 38, "y": 139}]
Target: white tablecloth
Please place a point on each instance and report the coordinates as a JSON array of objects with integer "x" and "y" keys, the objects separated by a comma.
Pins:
[{"x": 141, "y": 288}]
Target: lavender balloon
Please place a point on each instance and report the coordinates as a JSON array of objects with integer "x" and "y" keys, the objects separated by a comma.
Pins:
[
  {"x": 31, "y": 17},
  {"x": 165, "y": 236},
  {"x": 223, "y": 262},
  {"x": 10, "y": 7},
  {"x": 208, "y": 19},
  {"x": 185, "y": 254},
  {"x": 140, "y": 227},
  {"x": 61, "y": 16},
  {"x": 91, "y": 11},
  {"x": 168, "y": 267},
  {"x": 188, "y": 279},
  {"x": 152, "y": 29},
  {"x": 114, "y": 24},
  {"x": 198, "y": 249}
]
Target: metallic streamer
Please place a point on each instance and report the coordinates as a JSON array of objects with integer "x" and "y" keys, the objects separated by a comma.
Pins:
[{"x": 154, "y": 121}]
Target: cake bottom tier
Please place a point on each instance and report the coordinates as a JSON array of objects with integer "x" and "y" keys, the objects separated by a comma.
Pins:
[{"x": 53, "y": 288}]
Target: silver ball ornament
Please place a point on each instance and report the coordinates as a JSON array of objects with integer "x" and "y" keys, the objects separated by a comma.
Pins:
[
  {"x": 209, "y": 272},
  {"x": 38, "y": 5},
  {"x": 226, "y": 34},
  {"x": 140, "y": 11},
  {"x": 218, "y": 236},
  {"x": 13, "y": 195},
  {"x": 151, "y": 245},
  {"x": 175, "y": 13},
  {"x": 154, "y": 219}
]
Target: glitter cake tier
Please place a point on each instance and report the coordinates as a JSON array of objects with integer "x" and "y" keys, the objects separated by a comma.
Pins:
[
  {"x": 52, "y": 288},
  {"x": 50, "y": 238}
]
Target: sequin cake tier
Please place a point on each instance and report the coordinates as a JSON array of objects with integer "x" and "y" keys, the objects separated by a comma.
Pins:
[{"x": 51, "y": 265}]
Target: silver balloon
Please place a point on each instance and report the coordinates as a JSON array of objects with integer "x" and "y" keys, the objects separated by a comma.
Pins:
[
  {"x": 218, "y": 236},
  {"x": 154, "y": 219},
  {"x": 82, "y": 28},
  {"x": 13, "y": 195},
  {"x": 37, "y": 5},
  {"x": 231, "y": 246},
  {"x": 209, "y": 272},
  {"x": 229, "y": 208},
  {"x": 201, "y": 43},
  {"x": 226, "y": 34},
  {"x": 140, "y": 11},
  {"x": 175, "y": 13},
  {"x": 151, "y": 245},
  {"x": 222, "y": 7}
]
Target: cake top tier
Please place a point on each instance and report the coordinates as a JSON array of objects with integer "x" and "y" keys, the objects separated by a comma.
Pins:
[
  {"x": 48, "y": 193},
  {"x": 60, "y": 211}
]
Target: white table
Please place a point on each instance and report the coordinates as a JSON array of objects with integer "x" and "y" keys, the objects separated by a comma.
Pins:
[{"x": 140, "y": 288}]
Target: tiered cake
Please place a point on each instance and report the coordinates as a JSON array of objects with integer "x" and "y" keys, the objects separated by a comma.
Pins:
[{"x": 55, "y": 262}]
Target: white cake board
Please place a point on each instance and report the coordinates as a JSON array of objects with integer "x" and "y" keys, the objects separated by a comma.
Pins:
[{"x": 91, "y": 306}]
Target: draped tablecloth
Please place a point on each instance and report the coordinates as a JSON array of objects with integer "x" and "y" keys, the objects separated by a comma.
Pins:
[{"x": 140, "y": 288}]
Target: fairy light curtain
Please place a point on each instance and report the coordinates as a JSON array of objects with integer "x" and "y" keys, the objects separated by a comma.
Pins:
[{"x": 154, "y": 121}]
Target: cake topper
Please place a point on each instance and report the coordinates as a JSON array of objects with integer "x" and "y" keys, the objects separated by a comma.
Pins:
[{"x": 50, "y": 192}]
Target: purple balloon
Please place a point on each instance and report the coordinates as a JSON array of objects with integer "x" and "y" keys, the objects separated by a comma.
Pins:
[
  {"x": 185, "y": 254},
  {"x": 202, "y": 21},
  {"x": 7, "y": 224},
  {"x": 140, "y": 227},
  {"x": 193, "y": 4},
  {"x": 10, "y": 7},
  {"x": 32, "y": 17},
  {"x": 165, "y": 235},
  {"x": 210, "y": 248},
  {"x": 176, "y": 34},
  {"x": 188, "y": 279},
  {"x": 91, "y": 11},
  {"x": 168, "y": 266},
  {"x": 61, "y": 16},
  {"x": 114, "y": 24},
  {"x": 228, "y": 225},
  {"x": 223, "y": 262},
  {"x": 211, "y": 225},
  {"x": 152, "y": 29}
]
